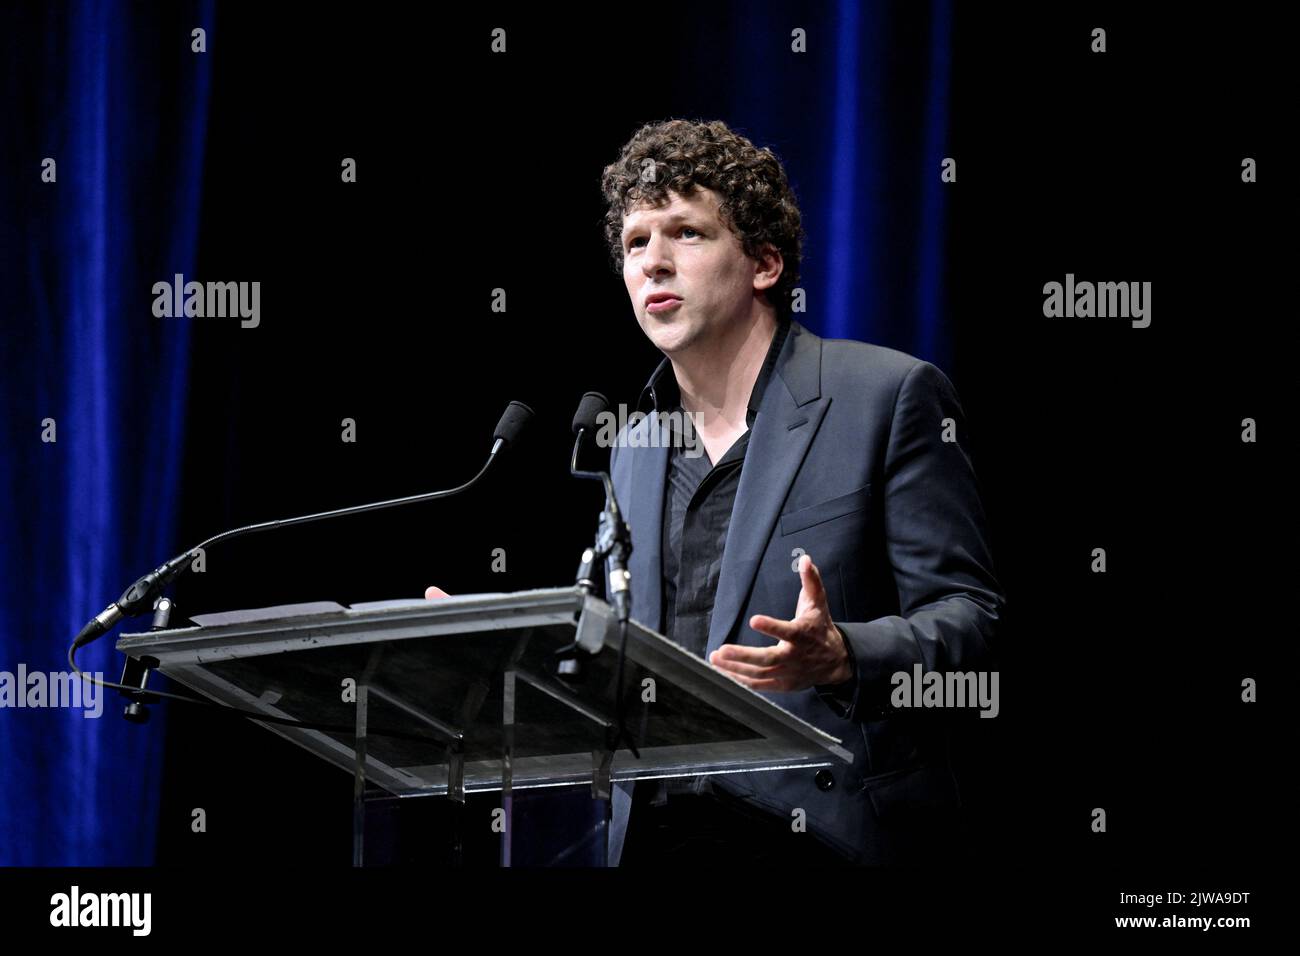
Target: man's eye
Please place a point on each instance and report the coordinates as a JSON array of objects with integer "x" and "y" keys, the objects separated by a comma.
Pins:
[{"x": 632, "y": 243}]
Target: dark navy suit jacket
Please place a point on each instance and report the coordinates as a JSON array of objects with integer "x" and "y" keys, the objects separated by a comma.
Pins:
[{"x": 846, "y": 461}]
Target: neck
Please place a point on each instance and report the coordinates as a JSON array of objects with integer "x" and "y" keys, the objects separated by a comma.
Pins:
[{"x": 717, "y": 377}]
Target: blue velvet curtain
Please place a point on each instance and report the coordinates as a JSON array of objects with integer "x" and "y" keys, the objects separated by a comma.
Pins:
[
  {"x": 117, "y": 98},
  {"x": 861, "y": 121}
]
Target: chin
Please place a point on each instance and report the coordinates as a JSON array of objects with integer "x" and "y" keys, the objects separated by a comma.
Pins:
[{"x": 670, "y": 337}]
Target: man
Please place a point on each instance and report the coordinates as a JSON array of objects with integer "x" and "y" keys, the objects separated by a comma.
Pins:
[{"x": 831, "y": 536}]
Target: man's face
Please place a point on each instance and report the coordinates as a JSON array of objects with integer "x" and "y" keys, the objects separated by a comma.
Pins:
[{"x": 684, "y": 250}]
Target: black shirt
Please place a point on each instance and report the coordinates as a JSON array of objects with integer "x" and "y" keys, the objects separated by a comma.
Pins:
[{"x": 698, "y": 499}]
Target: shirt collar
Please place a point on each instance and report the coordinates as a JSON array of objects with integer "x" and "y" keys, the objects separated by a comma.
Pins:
[{"x": 661, "y": 393}]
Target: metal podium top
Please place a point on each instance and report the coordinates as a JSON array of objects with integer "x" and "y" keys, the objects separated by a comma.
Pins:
[{"x": 440, "y": 669}]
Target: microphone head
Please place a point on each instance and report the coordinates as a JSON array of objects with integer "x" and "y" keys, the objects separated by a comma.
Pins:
[
  {"x": 589, "y": 411},
  {"x": 516, "y": 417}
]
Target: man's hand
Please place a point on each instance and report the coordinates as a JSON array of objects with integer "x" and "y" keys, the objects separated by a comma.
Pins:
[
  {"x": 811, "y": 650},
  {"x": 435, "y": 592}
]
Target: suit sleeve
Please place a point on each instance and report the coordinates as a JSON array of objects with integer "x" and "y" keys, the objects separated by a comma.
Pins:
[{"x": 937, "y": 543}]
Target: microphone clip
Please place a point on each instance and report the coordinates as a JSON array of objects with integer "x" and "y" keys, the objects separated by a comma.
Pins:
[{"x": 613, "y": 547}]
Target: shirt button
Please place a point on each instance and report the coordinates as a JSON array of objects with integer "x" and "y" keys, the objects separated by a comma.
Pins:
[{"x": 824, "y": 779}]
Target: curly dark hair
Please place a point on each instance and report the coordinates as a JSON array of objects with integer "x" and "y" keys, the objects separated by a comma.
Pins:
[{"x": 757, "y": 203}]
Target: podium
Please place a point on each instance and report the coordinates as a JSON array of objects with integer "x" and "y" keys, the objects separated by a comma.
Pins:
[{"x": 482, "y": 692}]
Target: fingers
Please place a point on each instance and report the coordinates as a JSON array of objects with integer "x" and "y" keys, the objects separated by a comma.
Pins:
[
  {"x": 750, "y": 657},
  {"x": 775, "y": 627},
  {"x": 811, "y": 580},
  {"x": 435, "y": 592},
  {"x": 736, "y": 669},
  {"x": 779, "y": 668}
]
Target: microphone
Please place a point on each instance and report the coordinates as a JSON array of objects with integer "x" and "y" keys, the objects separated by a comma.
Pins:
[
  {"x": 589, "y": 409},
  {"x": 585, "y": 419},
  {"x": 513, "y": 421},
  {"x": 140, "y": 596}
]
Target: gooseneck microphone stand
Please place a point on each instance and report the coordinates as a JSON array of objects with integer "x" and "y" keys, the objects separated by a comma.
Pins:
[
  {"x": 147, "y": 593},
  {"x": 612, "y": 548}
]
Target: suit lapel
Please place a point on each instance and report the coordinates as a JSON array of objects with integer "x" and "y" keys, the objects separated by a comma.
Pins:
[
  {"x": 644, "y": 504},
  {"x": 788, "y": 418}
]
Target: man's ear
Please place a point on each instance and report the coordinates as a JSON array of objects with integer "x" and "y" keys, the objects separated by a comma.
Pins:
[{"x": 770, "y": 264}]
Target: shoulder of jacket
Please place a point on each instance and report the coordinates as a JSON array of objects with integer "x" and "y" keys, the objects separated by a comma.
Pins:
[{"x": 865, "y": 367}]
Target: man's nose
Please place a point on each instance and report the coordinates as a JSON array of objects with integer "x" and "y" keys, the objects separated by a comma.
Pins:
[{"x": 656, "y": 258}]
